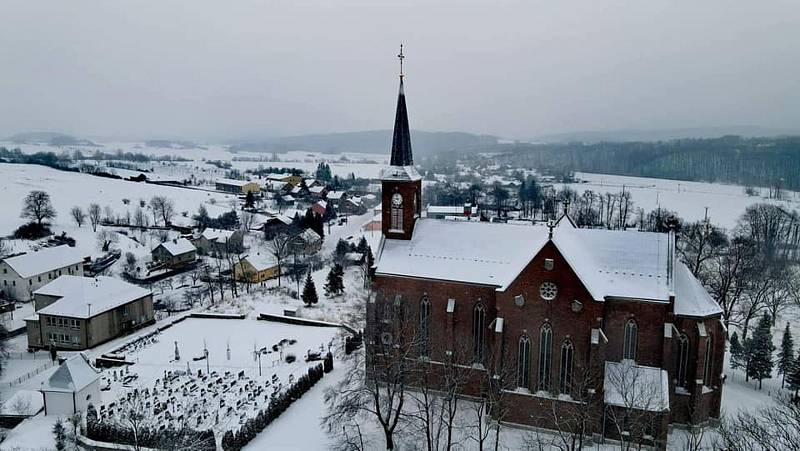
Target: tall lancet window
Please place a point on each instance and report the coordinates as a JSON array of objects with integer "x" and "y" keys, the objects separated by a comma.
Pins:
[
  {"x": 425, "y": 327},
  {"x": 565, "y": 374},
  {"x": 397, "y": 212},
  {"x": 545, "y": 357},
  {"x": 478, "y": 332},
  {"x": 524, "y": 362},
  {"x": 683, "y": 361},
  {"x": 708, "y": 365},
  {"x": 631, "y": 336}
]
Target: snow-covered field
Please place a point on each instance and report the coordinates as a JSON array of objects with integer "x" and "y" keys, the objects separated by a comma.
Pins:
[{"x": 725, "y": 203}]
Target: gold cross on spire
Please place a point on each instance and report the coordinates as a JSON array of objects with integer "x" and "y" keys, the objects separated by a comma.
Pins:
[{"x": 400, "y": 56}]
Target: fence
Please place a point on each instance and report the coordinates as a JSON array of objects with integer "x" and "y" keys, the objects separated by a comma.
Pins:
[{"x": 30, "y": 374}]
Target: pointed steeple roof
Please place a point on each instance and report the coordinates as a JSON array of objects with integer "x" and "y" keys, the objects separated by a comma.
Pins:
[{"x": 401, "y": 140}]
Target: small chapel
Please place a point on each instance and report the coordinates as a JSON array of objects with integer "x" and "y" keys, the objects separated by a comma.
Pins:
[{"x": 548, "y": 323}]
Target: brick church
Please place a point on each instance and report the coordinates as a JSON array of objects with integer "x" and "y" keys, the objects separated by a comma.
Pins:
[{"x": 553, "y": 319}]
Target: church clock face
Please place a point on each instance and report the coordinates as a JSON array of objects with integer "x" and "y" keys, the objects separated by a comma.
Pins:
[{"x": 397, "y": 200}]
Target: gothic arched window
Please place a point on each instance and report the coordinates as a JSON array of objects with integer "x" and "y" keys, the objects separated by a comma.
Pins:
[
  {"x": 565, "y": 373},
  {"x": 425, "y": 326},
  {"x": 708, "y": 365},
  {"x": 545, "y": 356},
  {"x": 524, "y": 362},
  {"x": 683, "y": 361},
  {"x": 397, "y": 212},
  {"x": 478, "y": 331},
  {"x": 631, "y": 337}
]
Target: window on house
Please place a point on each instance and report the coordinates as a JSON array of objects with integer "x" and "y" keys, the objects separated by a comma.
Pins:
[
  {"x": 708, "y": 365},
  {"x": 478, "y": 331},
  {"x": 425, "y": 326},
  {"x": 524, "y": 362},
  {"x": 545, "y": 356},
  {"x": 683, "y": 361},
  {"x": 565, "y": 373},
  {"x": 629, "y": 347}
]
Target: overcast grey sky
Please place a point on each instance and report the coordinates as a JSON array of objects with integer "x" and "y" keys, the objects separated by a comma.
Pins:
[{"x": 203, "y": 69}]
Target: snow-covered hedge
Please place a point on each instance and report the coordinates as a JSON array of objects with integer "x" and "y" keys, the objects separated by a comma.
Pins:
[{"x": 234, "y": 441}]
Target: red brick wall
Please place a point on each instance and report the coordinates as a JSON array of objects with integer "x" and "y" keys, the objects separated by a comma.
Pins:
[
  {"x": 409, "y": 190},
  {"x": 650, "y": 318}
]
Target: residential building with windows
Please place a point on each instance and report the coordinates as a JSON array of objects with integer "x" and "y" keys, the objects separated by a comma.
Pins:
[
  {"x": 256, "y": 268},
  {"x": 175, "y": 253},
  {"x": 74, "y": 312},
  {"x": 554, "y": 320},
  {"x": 21, "y": 275}
]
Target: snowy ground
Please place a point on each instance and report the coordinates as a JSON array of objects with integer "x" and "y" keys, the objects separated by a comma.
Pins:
[{"x": 725, "y": 203}]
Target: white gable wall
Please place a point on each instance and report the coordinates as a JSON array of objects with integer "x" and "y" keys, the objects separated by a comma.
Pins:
[
  {"x": 62, "y": 403},
  {"x": 15, "y": 287}
]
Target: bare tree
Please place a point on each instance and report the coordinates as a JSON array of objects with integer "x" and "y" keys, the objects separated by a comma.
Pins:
[
  {"x": 139, "y": 218},
  {"x": 773, "y": 428},
  {"x": 375, "y": 386},
  {"x": 729, "y": 275},
  {"x": 163, "y": 207},
  {"x": 699, "y": 242},
  {"x": 78, "y": 215},
  {"x": 94, "y": 216},
  {"x": 634, "y": 403},
  {"x": 105, "y": 238},
  {"x": 280, "y": 249},
  {"x": 37, "y": 206},
  {"x": 246, "y": 220}
]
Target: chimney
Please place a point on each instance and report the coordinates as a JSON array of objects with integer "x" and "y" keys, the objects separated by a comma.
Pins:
[{"x": 175, "y": 241}]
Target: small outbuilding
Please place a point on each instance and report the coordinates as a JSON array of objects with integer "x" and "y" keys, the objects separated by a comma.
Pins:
[{"x": 72, "y": 388}]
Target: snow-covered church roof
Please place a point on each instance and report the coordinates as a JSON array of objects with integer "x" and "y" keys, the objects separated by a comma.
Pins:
[
  {"x": 610, "y": 263},
  {"x": 73, "y": 375}
]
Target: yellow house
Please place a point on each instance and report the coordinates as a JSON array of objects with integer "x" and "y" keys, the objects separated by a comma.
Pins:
[
  {"x": 237, "y": 186},
  {"x": 256, "y": 268}
]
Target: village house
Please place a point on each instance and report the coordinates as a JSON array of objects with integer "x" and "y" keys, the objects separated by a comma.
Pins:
[
  {"x": 23, "y": 274},
  {"x": 319, "y": 207},
  {"x": 74, "y": 312},
  {"x": 552, "y": 318},
  {"x": 291, "y": 179},
  {"x": 219, "y": 242},
  {"x": 256, "y": 268},
  {"x": 307, "y": 242},
  {"x": 175, "y": 253},
  {"x": 237, "y": 186},
  {"x": 318, "y": 191},
  {"x": 464, "y": 212},
  {"x": 72, "y": 388},
  {"x": 336, "y": 197},
  {"x": 275, "y": 225}
]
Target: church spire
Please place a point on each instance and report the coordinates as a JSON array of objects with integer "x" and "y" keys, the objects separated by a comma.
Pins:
[{"x": 401, "y": 140}]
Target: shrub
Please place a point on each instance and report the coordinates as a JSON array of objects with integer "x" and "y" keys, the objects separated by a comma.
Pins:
[
  {"x": 327, "y": 364},
  {"x": 290, "y": 358},
  {"x": 32, "y": 231}
]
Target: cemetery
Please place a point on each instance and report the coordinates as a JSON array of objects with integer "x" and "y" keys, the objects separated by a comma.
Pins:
[{"x": 210, "y": 375}]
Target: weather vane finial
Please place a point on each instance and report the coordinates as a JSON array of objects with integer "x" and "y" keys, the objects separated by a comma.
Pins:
[{"x": 400, "y": 56}]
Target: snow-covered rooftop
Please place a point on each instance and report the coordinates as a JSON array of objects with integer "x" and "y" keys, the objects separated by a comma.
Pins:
[
  {"x": 85, "y": 297},
  {"x": 691, "y": 299},
  {"x": 335, "y": 195},
  {"x": 178, "y": 246},
  {"x": 261, "y": 262},
  {"x": 610, "y": 263},
  {"x": 317, "y": 189},
  {"x": 233, "y": 182},
  {"x": 47, "y": 259},
  {"x": 72, "y": 375},
  {"x": 637, "y": 387},
  {"x": 217, "y": 234},
  {"x": 400, "y": 173}
]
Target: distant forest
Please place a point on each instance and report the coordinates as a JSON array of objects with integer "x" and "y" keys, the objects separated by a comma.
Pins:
[{"x": 769, "y": 162}]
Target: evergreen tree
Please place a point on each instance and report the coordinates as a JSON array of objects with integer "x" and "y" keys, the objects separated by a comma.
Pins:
[
  {"x": 761, "y": 350},
  {"x": 786, "y": 354},
  {"x": 309, "y": 295},
  {"x": 201, "y": 218},
  {"x": 342, "y": 248},
  {"x": 61, "y": 435},
  {"x": 737, "y": 352},
  {"x": 793, "y": 376},
  {"x": 362, "y": 245},
  {"x": 249, "y": 200},
  {"x": 335, "y": 285}
]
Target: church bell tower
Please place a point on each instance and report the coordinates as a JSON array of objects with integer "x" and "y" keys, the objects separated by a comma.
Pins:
[{"x": 401, "y": 184}]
